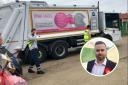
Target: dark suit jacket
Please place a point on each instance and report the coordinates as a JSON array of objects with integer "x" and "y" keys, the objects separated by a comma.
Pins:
[{"x": 109, "y": 64}]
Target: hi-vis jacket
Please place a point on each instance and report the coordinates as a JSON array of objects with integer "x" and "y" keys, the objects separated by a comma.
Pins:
[
  {"x": 86, "y": 35},
  {"x": 32, "y": 42}
]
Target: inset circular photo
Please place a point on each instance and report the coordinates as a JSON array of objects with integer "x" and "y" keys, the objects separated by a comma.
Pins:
[{"x": 99, "y": 56}]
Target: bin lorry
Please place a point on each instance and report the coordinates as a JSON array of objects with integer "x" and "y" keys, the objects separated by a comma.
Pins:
[{"x": 58, "y": 27}]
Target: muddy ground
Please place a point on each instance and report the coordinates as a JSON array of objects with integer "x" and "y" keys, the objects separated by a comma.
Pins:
[{"x": 68, "y": 71}]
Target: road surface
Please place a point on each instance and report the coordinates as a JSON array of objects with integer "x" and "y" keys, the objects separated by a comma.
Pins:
[{"x": 68, "y": 71}]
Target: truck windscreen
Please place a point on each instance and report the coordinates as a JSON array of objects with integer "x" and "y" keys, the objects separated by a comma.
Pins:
[{"x": 112, "y": 20}]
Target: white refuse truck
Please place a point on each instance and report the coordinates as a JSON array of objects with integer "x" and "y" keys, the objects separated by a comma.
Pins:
[{"x": 58, "y": 27}]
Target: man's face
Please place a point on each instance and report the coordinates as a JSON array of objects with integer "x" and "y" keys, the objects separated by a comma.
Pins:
[
  {"x": 101, "y": 52},
  {"x": 1, "y": 40}
]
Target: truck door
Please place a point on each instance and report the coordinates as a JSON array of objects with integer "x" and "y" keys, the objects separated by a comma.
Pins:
[
  {"x": 112, "y": 20},
  {"x": 112, "y": 25}
]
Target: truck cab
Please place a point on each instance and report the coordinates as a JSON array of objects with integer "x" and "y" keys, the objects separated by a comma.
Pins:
[{"x": 109, "y": 24}]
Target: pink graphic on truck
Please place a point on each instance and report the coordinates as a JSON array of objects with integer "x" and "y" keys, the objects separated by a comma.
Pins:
[
  {"x": 61, "y": 20},
  {"x": 57, "y": 21}
]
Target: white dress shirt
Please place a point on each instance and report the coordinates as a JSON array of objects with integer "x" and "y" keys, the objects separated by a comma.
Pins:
[{"x": 98, "y": 69}]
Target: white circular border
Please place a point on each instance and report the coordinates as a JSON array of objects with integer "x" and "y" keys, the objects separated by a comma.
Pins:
[{"x": 86, "y": 62}]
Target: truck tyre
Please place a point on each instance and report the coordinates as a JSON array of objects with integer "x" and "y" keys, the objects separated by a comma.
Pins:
[
  {"x": 59, "y": 49},
  {"x": 42, "y": 55}
]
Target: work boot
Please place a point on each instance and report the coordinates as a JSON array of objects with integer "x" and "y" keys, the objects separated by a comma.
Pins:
[
  {"x": 31, "y": 71},
  {"x": 40, "y": 72}
]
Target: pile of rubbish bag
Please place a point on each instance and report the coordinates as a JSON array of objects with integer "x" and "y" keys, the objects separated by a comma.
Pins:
[
  {"x": 8, "y": 79},
  {"x": 8, "y": 72}
]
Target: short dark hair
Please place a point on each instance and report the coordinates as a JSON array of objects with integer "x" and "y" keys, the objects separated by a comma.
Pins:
[
  {"x": 33, "y": 30},
  {"x": 100, "y": 42},
  {"x": 88, "y": 26}
]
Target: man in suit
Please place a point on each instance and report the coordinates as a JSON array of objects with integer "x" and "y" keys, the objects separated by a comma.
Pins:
[{"x": 101, "y": 65}]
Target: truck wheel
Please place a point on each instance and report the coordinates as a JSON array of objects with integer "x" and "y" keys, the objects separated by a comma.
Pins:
[
  {"x": 59, "y": 49},
  {"x": 42, "y": 54}
]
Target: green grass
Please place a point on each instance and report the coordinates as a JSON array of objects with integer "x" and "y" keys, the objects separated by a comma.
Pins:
[{"x": 87, "y": 54}]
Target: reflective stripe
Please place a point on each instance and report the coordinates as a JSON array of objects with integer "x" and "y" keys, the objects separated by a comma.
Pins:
[
  {"x": 32, "y": 44},
  {"x": 40, "y": 55},
  {"x": 29, "y": 43}
]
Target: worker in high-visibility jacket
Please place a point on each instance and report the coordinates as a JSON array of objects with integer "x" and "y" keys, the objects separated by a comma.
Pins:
[
  {"x": 87, "y": 35},
  {"x": 34, "y": 53}
]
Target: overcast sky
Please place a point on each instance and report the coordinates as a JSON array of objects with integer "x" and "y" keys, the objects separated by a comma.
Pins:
[{"x": 105, "y": 5}]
